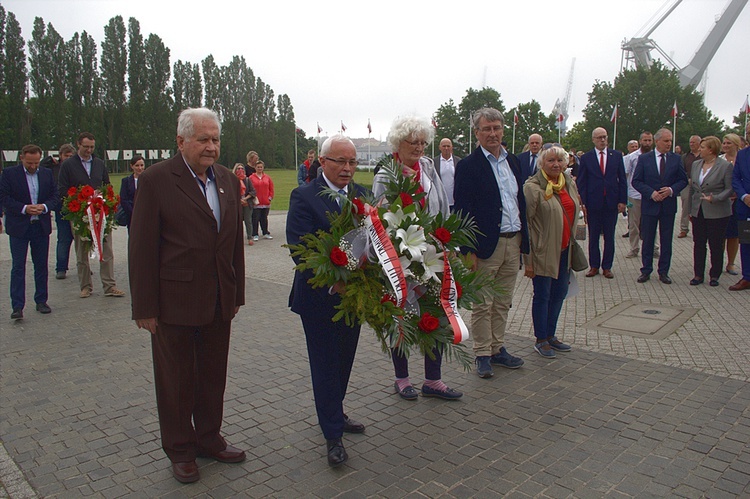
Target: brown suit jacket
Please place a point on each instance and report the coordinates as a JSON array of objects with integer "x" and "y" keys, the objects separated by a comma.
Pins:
[{"x": 181, "y": 269}]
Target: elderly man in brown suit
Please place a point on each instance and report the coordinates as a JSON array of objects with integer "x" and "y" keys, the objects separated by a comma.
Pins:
[{"x": 187, "y": 280}]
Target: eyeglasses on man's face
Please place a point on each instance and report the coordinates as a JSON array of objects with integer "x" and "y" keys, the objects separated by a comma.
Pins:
[{"x": 341, "y": 162}]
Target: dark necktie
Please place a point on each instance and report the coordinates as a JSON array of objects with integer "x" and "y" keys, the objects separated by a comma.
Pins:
[
  {"x": 662, "y": 166},
  {"x": 343, "y": 193},
  {"x": 532, "y": 167}
]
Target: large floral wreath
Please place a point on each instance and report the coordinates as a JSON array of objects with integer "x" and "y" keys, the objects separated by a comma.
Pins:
[
  {"x": 402, "y": 274},
  {"x": 91, "y": 213}
]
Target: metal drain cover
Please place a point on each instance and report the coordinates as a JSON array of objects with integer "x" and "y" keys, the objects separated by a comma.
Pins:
[{"x": 642, "y": 320}]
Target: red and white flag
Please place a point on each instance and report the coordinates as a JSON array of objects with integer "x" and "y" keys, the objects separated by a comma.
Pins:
[
  {"x": 434, "y": 124},
  {"x": 515, "y": 118},
  {"x": 745, "y": 107},
  {"x": 614, "y": 114},
  {"x": 343, "y": 127},
  {"x": 320, "y": 130},
  {"x": 674, "y": 109},
  {"x": 369, "y": 127},
  {"x": 560, "y": 118}
]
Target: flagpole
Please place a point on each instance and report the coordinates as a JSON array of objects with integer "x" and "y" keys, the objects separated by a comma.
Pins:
[
  {"x": 614, "y": 139},
  {"x": 469, "y": 137},
  {"x": 369, "y": 132},
  {"x": 674, "y": 126},
  {"x": 515, "y": 120},
  {"x": 747, "y": 110},
  {"x": 559, "y": 129},
  {"x": 296, "y": 155}
]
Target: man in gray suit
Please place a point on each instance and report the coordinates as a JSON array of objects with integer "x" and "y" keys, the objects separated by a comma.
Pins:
[{"x": 445, "y": 164}]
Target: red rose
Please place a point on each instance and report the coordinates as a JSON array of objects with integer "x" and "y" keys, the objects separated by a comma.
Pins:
[
  {"x": 428, "y": 323},
  {"x": 459, "y": 291},
  {"x": 358, "y": 207},
  {"x": 406, "y": 199},
  {"x": 443, "y": 235},
  {"x": 72, "y": 191},
  {"x": 388, "y": 298},
  {"x": 338, "y": 257},
  {"x": 74, "y": 206}
]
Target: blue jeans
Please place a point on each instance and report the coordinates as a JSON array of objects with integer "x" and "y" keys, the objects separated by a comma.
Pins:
[
  {"x": 549, "y": 295},
  {"x": 64, "y": 240},
  {"x": 19, "y": 246}
]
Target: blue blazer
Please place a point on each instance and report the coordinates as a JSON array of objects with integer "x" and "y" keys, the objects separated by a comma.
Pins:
[
  {"x": 308, "y": 212},
  {"x": 14, "y": 195},
  {"x": 646, "y": 180},
  {"x": 592, "y": 185},
  {"x": 476, "y": 194},
  {"x": 741, "y": 183},
  {"x": 127, "y": 194},
  {"x": 524, "y": 159}
]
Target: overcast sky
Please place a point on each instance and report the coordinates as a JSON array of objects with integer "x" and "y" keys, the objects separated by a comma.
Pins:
[{"x": 349, "y": 61}]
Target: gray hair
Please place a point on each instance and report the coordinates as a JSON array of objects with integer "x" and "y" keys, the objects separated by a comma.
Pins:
[
  {"x": 67, "y": 148},
  {"x": 188, "y": 117},
  {"x": 556, "y": 151},
  {"x": 489, "y": 114},
  {"x": 661, "y": 132},
  {"x": 632, "y": 142},
  {"x": 409, "y": 127},
  {"x": 338, "y": 138}
]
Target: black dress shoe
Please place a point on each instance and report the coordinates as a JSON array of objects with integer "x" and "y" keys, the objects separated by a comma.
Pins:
[
  {"x": 665, "y": 279},
  {"x": 695, "y": 281},
  {"x": 351, "y": 426},
  {"x": 185, "y": 472},
  {"x": 643, "y": 278},
  {"x": 229, "y": 455},
  {"x": 43, "y": 308},
  {"x": 713, "y": 282},
  {"x": 17, "y": 314},
  {"x": 336, "y": 453}
]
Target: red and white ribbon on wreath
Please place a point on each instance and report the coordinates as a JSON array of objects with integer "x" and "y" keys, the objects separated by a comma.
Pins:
[
  {"x": 448, "y": 300},
  {"x": 96, "y": 226},
  {"x": 387, "y": 255}
]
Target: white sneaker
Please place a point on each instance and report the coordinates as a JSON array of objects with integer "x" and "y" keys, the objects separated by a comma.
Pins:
[
  {"x": 268, "y": 236},
  {"x": 255, "y": 238}
]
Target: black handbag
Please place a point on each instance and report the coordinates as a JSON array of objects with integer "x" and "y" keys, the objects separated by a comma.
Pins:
[{"x": 122, "y": 217}]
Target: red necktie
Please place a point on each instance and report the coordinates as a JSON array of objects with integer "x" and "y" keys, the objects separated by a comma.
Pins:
[{"x": 601, "y": 161}]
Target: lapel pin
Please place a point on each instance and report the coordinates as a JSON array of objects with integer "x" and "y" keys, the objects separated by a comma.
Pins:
[{"x": 221, "y": 190}]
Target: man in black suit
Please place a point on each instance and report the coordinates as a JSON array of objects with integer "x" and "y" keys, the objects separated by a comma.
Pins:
[
  {"x": 445, "y": 165},
  {"x": 27, "y": 194},
  {"x": 64, "y": 230},
  {"x": 330, "y": 345},
  {"x": 528, "y": 158},
  {"x": 489, "y": 188},
  {"x": 659, "y": 177},
  {"x": 86, "y": 169}
]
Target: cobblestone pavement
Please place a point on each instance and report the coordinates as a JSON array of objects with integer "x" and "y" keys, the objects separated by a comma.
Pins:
[{"x": 617, "y": 417}]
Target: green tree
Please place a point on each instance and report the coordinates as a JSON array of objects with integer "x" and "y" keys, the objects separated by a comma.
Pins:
[
  {"x": 14, "y": 130},
  {"x": 159, "y": 118},
  {"x": 187, "y": 87},
  {"x": 645, "y": 98},
  {"x": 450, "y": 125},
  {"x": 531, "y": 120},
  {"x": 133, "y": 128},
  {"x": 114, "y": 66}
]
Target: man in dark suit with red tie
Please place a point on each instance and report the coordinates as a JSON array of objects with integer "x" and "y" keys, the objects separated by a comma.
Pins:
[
  {"x": 330, "y": 345},
  {"x": 187, "y": 282},
  {"x": 603, "y": 187},
  {"x": 27, "y": 196},
  {"x": 659, "y": 177}
]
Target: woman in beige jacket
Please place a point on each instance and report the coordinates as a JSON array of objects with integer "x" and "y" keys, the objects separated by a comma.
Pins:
[{"x": 551, "y": 210}]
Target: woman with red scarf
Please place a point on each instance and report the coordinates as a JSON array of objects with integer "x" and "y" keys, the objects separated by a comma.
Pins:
[{"x": 408, "y": 138}]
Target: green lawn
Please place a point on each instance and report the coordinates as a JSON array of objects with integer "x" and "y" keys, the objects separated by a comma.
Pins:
[{"x": 283, "y": 181}]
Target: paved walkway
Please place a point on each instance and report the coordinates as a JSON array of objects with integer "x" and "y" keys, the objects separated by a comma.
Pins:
[{"x": 617, "y": 417}]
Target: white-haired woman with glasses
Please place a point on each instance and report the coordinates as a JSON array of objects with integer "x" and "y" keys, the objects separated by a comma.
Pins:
[
  {"x": 408, "y": 138},
  {"x": 552, "y": 207}
]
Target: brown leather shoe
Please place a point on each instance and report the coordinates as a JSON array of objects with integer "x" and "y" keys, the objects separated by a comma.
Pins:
[
  {"x": 682, "y": 234},
  {"x": 229, "y": 455},
  {"x": 592, "y": 272},
  {"x": 185, "y": 472},
  {"x": 608, "y": 274},
  {"x": 740, "y": 286}
]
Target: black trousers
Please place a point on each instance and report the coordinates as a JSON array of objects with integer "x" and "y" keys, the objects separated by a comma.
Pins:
[{"x": 711, "y": 231}]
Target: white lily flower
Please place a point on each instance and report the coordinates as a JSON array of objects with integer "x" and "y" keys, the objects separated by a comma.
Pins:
[
  {"x": 412, "y": 241},
  {"x": 395, "y": 219},
  {"x": 405, "y": 262},
  {"x": 432, "y": 263}
]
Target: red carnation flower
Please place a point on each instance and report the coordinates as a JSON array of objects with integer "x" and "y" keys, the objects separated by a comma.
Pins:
[
  {"x": 338, "y": 257},
  {"x": 72, "y": 191},
  {"x": 110, "y": 190},
  {"x": 74, "y": 206},
  {"x": 358, "y": 207},
  {"x": 86, "y": 192},
  {"x": 443, "y": 235},
  {"x": 428, "y": 323},
  {"x": 406, "y": 199}
]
